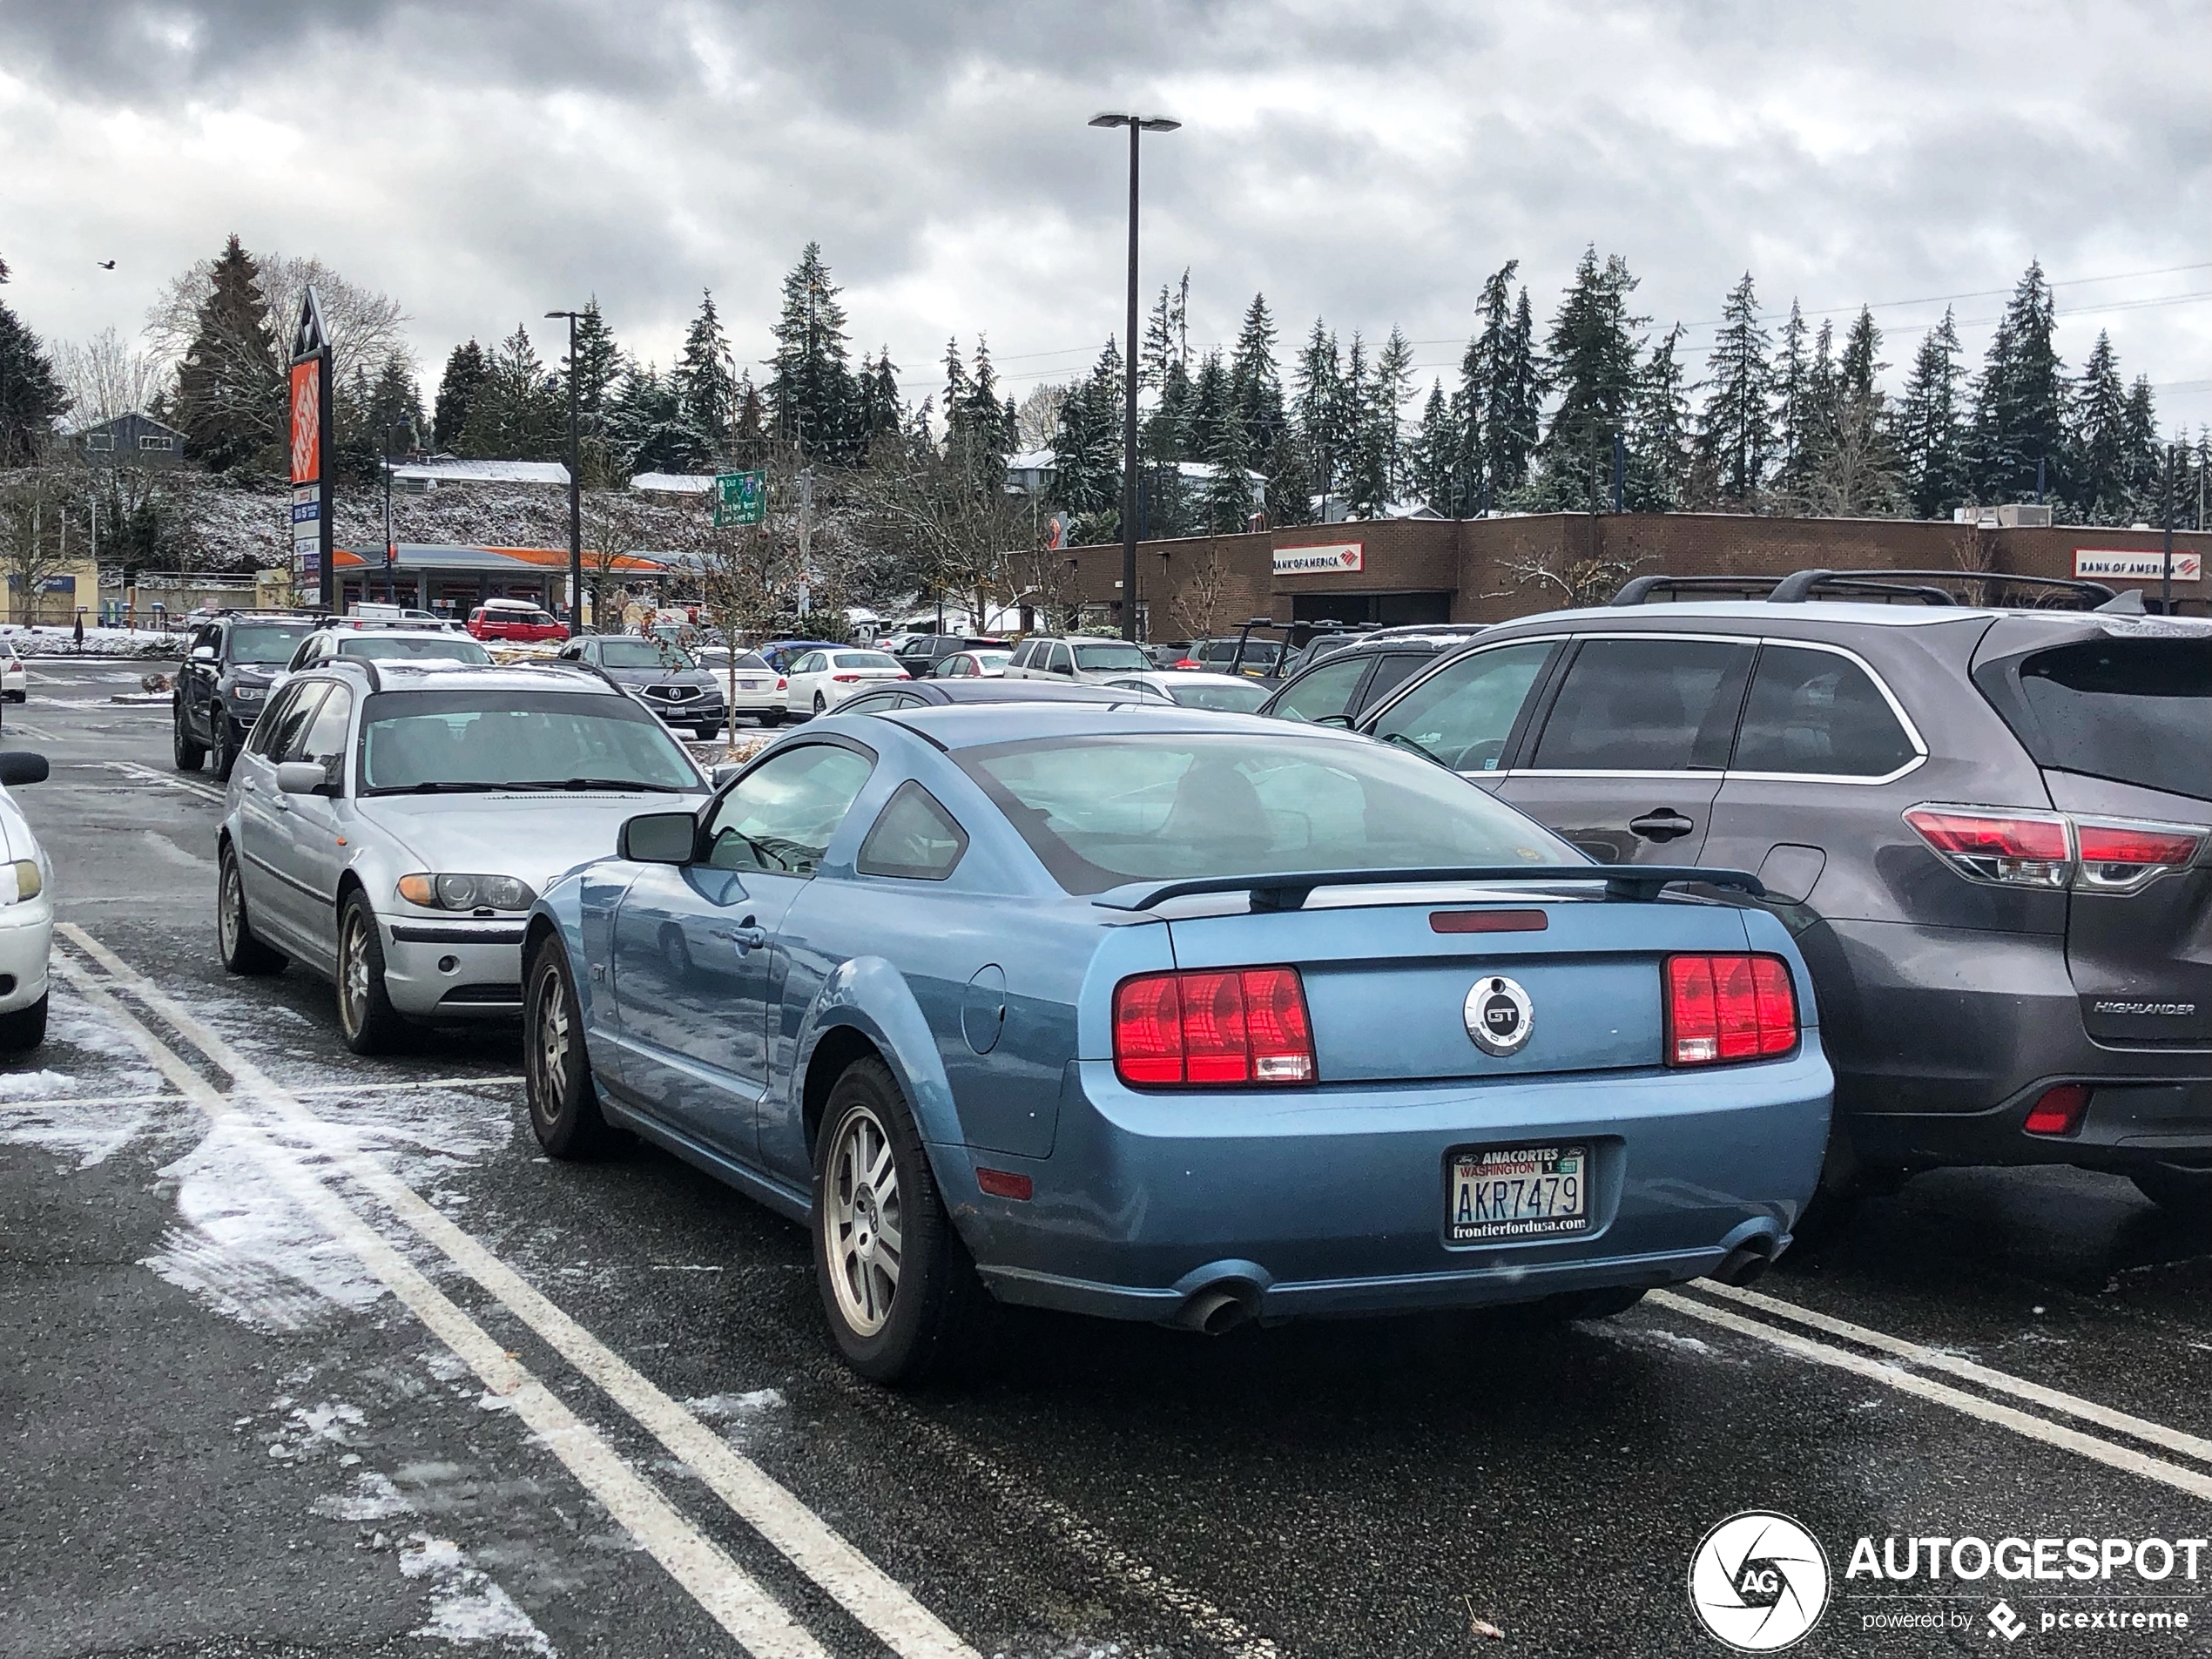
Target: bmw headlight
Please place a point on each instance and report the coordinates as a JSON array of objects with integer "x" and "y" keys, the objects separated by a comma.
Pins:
[
  {"x": 29, "y": 884},
  {"x": 467, "y": 891}
]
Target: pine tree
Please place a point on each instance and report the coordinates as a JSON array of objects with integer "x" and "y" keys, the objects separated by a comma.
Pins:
[
  {"x": 749, "y": 445},
  {"x": 376, "y": 419},
  {"x": 1257, "y": 384},
  {"x": 1393, "y": 385},
  {"x": 953, "y": 399},
  {"x": 230, "y": 386},
  {"x": 1218, "y": 433},
  {"x": 1368, "y": 427},
  {"x": 1087, "y": 471},
  {"x": 2020, "y": 398},
  {"x": 516, "y": 414},
  {"x": 704, "y": 379},
  {"x": 1165, "y": 334},
  {"x": 1659, "y": 444},
  {"x": 1788, "y": 374},
  {"x": 1501, "y": 397},
  {"x": 646, "y": 425},
  {"x": 2099, "y": 463},
  {"x": 2144, "y": 463},
  {"x": 1591, "y": 355},
  {"x": 1820, "y": 408},
  {"x": 1435, "y": 453},
  {"x": 1931, "y": 438},
  {"x": 1737, "y": 429},
  {"x": 598, "y": 368},
  {"x": 31, "y": 398},
  {"x": 457, "y": 389},
  {"x": 1859, "y": 368},
  {"x": 879, "y": 409},
  {"x": 1317, "y": 404},
  {"x": 812, "y": 392}
]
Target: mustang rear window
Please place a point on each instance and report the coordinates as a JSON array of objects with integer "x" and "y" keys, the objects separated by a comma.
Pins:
[
  {"x": 2136, "y": 711},
  {"x": 1102, "y": 810}
]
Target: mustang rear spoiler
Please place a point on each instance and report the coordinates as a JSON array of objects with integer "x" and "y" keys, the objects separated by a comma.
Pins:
[{"x": 1289, "y": 891}]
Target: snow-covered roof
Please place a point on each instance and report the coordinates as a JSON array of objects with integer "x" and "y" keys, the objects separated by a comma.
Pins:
[
  {"x": 673, "y": 483},
  {"x": 445, "y": 471},
  {"x": 1032, "y": 461}
]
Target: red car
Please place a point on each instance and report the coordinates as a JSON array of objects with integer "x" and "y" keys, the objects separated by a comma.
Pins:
[{"x": 514, "y": 619}]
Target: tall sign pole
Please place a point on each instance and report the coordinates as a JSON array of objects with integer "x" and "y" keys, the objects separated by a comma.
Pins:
[{"x": 310, "y": 443}]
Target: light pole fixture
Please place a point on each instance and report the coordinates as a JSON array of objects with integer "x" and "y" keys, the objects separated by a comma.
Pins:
[
  {"x": 1136, "y": 124},
  {"x": 576, "y": 500}
]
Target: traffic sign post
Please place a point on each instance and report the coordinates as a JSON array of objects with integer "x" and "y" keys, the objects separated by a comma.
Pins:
[
  {"x": 740, "y": 498},
  {"x": 310, "y": 446}
]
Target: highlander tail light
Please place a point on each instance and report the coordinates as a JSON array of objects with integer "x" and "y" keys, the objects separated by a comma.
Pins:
[
  {"x": 2031, "y": 849},
  {"x": 1722, "y": 1008},
  {"x": 2058, "y": 1111},
  {"x": 1213, "y": 1027}
]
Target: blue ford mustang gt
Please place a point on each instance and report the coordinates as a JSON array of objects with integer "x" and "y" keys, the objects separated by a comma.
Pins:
[{"x": 1176, "y": 1016}]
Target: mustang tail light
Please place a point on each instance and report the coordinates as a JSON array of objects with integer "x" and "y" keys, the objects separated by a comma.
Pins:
[
  {"x": 2058, "y": 1111},
  {"x": 2030, "y": 849},
  {"x": 1212, "y": 1028},
  {"x": 1723, "y": 1008}
]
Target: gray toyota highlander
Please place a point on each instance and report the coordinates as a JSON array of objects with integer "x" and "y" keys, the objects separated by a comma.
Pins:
[{"x": 1985, "y": 824}]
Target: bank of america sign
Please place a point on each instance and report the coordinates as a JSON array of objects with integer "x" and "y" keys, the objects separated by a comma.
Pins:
[
  {"x": 1314, "y": 561},
  {"x": 2130, "y": 565}
]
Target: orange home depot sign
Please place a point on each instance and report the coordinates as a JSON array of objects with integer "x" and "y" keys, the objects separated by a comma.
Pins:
[
  {"x": 1316, "y": 561},
  {"x": 306, "y": 421},
  {"x": 2128, "y": 565}
]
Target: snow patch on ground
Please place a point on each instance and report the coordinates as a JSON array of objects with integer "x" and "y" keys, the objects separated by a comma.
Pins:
[
  {"x": 310, "y": 1431},
  {"x": 735, "y": 1408},
  {"x": 1630, "y": 1336},
  {"x": 372, "y": 1498},
  {"x": 466, "y": 1604},
  {"x": 37, "y": 1085}
]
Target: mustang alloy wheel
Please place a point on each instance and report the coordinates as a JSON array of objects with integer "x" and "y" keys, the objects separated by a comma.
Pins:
[
  {"x": 556, "y": 1070},
  {"x": 366, "y": 1017},
  {"x": 897, "y": 1283}
]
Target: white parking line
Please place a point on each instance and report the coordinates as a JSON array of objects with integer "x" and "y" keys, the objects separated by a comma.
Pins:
[
  {"x": 147, "y": 775},
  {"x": 730, "y": 1594},
  {"x": 39, "y": 732},
  {"x": 162, "y": 1096},
  {"x": 1890, "y": 1375},
  {"x": 870, "y": 1594}
]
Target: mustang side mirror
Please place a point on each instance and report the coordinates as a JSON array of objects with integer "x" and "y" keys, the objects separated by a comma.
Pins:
[
  {"x": 21, "y": 767},
  {"x": 300, "y": 778},
  {"x": 658, "y": 838}
]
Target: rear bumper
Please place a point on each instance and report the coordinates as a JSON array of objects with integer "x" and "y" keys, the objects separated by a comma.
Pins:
[
  {"x": 1332, "y": 1201},
  {"x": 1943, "y": 1038}
]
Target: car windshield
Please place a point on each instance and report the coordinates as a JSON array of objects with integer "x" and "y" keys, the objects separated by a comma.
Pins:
[
  {"x": 428, "y": 743},
  {"x": 267, "y": 642},
  {"x": 991, "y": 659},
  {"x": 1227, "y": 700},
  {"x": 1108, "y": 659},
  {"x": 747, "y": 662},
  {"x": 644, "y": 653},
  {"x": 448, "y": 648},
  {"x": 1100, "y": 811},
  {"x": 863, "y": 659}
]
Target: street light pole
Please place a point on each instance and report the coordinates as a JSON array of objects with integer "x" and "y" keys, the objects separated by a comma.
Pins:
[
  {"x": 2166, "y": 568},
  {"x": 1136, "y": 124},
  {"x": 576, "y": 500}
]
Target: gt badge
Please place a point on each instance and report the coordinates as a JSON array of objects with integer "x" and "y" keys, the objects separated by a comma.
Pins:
[{"x": 1499, "y": 1015}]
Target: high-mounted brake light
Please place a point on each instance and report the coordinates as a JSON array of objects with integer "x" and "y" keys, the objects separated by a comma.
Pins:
[
  {"x": 1212, "y": 1028},
  {"x": 2029, "y": 849},
  {"x": 1723, "y": 1008}
]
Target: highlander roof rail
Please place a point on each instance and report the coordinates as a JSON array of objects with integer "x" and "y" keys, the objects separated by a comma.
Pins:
[
  {"x": 1289, "y": 890},
  {"x": 1637, "y": 589},
  {"x": 1799, "y": 586}
]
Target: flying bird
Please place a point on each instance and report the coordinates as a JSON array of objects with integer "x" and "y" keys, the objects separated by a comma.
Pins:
[{"x": 104, "y": 265}]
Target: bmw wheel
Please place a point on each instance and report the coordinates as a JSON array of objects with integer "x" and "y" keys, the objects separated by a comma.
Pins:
[
  {"x": 242, "y": 951},
  {"x": 897, "y": 1283},
  {"x": 556, "y": 1070},
  {"x": 366, "y": 1017}
]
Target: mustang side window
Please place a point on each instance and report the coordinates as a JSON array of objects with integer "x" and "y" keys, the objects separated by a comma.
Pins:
[
  {"x": 780, "y": 816},
  {"x": 913, "y": 837}
]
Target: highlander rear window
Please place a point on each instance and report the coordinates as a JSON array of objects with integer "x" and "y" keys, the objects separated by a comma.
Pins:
[{"x": 2136, "y": 711}]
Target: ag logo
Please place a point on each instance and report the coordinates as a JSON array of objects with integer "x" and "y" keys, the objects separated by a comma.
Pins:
[
  {"x": 1499, "y": 1015},
  {"x": 1758, "y": 1582}
]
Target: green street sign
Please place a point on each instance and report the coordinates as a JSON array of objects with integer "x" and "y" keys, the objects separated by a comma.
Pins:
[{"x": 740, "y": 498}]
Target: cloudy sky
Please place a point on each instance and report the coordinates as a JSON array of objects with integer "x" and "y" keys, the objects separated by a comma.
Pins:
[{"x": 1363, "y": 160}]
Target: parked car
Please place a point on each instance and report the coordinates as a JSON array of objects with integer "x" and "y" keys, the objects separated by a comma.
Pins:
[
  {"x": 761, "y": 692},
  {"x": 517, "y": 620},
  {"x": 995, "y": 1001},
  {"x": 936, "y": 693},
  {"x": 1075, "y": 659},
  {"x": 1234, "y": 654},
  {"x": 26, "y": 911},
  {"x": 972, "y": 664},
  {"x": 383, "y": 645},
  {"x": 231, "y": 661},
  {"x": 919, "y": 654},
  {"x": 1339, "y": 636},
  {"x": 671, "y": 683},
  {"x": 1342, "y": 683},
  {"x": 780, "y": 654},
  {"x": 1195, "y": 689},
  {"x": 1986, "y": 826},
  {"x": 15, "y": 678},
  {"x": 401, "y": 616},
  {"x": 389, "y": 824},
  {"x": 822, "y": 679}
]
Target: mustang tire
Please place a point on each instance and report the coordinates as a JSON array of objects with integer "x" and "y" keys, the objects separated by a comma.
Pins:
[
  {"x": 556, "y": 1069},
  {"x": 241, "y": 948},
  {"x": 896, "y": 1283},
  {"x": 366, "y": 1017},
  {"x": 24, "y": 1029},
  {"x": 187, "y": 754}
]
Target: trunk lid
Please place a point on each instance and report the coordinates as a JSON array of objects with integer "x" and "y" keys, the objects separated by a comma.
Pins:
[{"x": 1389, "y": 995}]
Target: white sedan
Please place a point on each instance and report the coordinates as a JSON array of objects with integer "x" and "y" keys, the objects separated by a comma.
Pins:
[
  {"x": 1194, "y": 689},
  {"x": 760, "y": 690},
  {"x": 15, "y": 678},
  {"x": 26, "y": 912},
  {"x": 972, "y": 665},
  {"x": 822, "y": 679}
]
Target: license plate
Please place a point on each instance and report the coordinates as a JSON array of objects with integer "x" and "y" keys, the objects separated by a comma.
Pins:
[
  {"x": 1517, "y": 1192},
  {"x": 748, "y": 685}
]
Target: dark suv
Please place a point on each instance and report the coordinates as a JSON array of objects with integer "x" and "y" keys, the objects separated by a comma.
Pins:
[
  {"x": 1986, "y": 825},
  {"x": 1345, "y": 675},
  {"x": 225, "y": 681}
]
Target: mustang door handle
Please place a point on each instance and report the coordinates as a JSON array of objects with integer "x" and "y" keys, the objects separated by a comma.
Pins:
[
  {"x": 744, "y": 939},
  {"x": 1661, "y": 826}
]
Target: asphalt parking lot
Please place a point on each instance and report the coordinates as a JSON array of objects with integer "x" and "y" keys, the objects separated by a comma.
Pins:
[{"x": 316, "y": 1355}]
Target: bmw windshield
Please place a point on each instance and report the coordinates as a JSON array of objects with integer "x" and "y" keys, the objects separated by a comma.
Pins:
[{"x": 423, "y": 743}]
